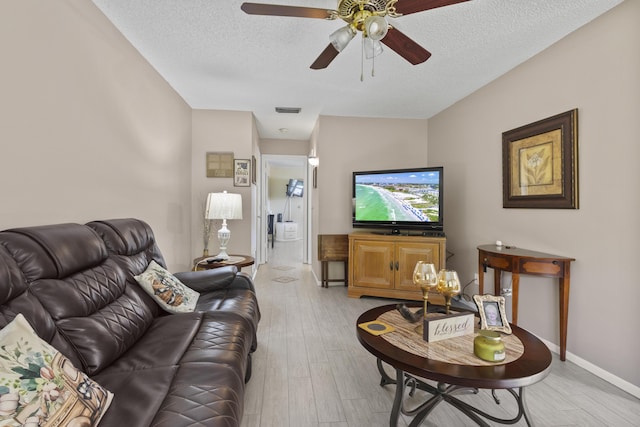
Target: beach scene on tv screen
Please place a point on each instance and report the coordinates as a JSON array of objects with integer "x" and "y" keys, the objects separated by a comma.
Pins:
[{"x": 410, "y": 196}]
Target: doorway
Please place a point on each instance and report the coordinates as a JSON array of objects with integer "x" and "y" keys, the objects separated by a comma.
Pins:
[{"x": 285, "y": 195}]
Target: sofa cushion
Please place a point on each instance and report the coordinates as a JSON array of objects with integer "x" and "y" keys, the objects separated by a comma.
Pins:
[
  {"x": 194, "y": 337},
  {"x": 131, "y": 241},
  {"x": 38, "y": 384},
  {"x": 166, "y": 290},
  {"x": 186, "y": 366},
  {"x": 137, "y": 395},
  {"x": 203, "y": 394},
  {"x": 85, "y": 292}
]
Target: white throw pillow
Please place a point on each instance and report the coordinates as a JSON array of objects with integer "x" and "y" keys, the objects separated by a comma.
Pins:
[
  {"x": 39, "y": 386},
  {"x": 169, "y": 292}
]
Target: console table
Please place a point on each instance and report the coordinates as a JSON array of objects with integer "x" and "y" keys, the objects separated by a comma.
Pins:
[{"x": 522, "y": 261}]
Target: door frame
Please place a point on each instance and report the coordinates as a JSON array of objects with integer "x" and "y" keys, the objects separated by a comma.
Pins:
[{"x": 266, "y": 161}]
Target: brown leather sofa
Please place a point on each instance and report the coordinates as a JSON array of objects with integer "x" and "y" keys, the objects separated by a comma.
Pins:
[{"x": 75, "y": 285}]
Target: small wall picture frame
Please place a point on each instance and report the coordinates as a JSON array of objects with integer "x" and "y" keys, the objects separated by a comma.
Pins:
[
  {"x": 254, "y": 170},
  {"x": 241, "y": 172},
  {"x": 493, "y": 315},
  {"x": 219, "y": 164},
  {"x": 315, "y": 177}
]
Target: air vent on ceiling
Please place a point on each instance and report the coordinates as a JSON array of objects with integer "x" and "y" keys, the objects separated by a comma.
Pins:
[{"x": 288, "y": 110}]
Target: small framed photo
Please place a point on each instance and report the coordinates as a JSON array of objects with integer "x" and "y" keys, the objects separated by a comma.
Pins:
[
  {"x": 493, "y": 315},
  {"x": 241, "y": 172}
]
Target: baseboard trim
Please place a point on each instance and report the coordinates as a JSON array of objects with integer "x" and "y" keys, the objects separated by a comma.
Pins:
[{"x": 597, "y": 371}]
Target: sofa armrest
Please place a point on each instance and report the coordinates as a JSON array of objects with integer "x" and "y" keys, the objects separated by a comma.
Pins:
[{"x": 215, "y": 279}]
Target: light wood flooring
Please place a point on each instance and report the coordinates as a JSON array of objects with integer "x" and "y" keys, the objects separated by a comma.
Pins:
[{"x": 310, "y": 370}]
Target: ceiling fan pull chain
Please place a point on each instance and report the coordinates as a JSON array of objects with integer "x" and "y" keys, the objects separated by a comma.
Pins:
[
  {"x": 362, "y": 61},
  {"x": 373, "y": 66}
]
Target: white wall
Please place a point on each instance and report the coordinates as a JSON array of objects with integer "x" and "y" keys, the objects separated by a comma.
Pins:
[
  {"x": 596, "y": 69},
  {"x": 88, "y": 130}
]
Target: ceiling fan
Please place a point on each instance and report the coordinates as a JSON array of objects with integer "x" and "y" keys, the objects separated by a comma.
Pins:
[{"x": 365, "y": 16}]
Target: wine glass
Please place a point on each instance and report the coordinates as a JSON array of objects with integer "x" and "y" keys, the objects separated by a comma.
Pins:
[
  {"x": 424, "y": 275},
  {"x": 448, "y": 285}
]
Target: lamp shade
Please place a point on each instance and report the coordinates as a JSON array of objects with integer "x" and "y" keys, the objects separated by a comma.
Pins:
[
  {"x": 372, "y": 48},
  {"x": 341, "y": 37},
  {"x": 224, "y": 206},
  {"x": 376, "y": 27}
]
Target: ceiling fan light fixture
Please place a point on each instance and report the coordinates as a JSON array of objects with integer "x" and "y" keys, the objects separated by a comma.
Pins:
[
  {"x": 342, "y": 36},
  {"x": 372, "y": 48},
  {"x": 376, "y": 27}
]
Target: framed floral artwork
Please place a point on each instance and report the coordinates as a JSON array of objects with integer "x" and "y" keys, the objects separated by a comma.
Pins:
[{"x": 540, "y": 164}]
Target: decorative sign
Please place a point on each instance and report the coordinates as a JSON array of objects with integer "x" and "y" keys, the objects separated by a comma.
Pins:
[{"x": 447, "y": 326}]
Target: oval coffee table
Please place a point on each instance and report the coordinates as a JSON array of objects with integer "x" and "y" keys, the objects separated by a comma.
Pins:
[{"x": 453, "y": 378}]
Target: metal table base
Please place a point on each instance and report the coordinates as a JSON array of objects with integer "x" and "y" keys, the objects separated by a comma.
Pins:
[{"x": 444, "y": 392}]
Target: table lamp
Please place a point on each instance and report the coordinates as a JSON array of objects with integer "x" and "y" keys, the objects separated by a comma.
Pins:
[{"x": 224, "y": 206}]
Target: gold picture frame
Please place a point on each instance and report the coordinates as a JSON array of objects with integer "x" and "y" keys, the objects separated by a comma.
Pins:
[
  {"x": 219, "y": 164},
  {"x": 241, "y": 172},
  {"x": 493, "y": 315},
  {"x": 540, "y": 164}
]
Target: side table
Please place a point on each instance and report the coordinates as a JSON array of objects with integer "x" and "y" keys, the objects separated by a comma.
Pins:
[
  {"x": 237, "y": 260},
  {"x": 522, "y": 261}
]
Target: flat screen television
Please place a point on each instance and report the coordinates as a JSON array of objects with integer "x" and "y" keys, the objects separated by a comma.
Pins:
[
  {"x": 399, "y": 199},
  {"x": 295, "y": 188}
]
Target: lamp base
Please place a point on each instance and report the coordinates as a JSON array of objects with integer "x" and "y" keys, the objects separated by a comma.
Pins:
[{"x": 224, "y": 234}]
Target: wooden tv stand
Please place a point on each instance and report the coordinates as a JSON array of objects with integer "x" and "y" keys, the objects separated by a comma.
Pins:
[{"x": 382, "y": 265}]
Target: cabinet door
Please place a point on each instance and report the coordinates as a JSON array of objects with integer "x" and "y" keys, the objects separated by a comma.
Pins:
[
  {"x": 407, "y": 255},
  {"x": 373, "y": 265}
]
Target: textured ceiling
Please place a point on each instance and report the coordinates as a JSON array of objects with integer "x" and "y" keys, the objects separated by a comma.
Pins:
[{"x": 217, "y": 57}]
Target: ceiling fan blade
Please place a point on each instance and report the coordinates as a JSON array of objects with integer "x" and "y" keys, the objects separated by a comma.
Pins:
[
  {"x": 406, "y": 7},
  {"x": 325, "y": 58},
  {"x": 279, "y": 10},
  {"x": 405, "y": 47}
]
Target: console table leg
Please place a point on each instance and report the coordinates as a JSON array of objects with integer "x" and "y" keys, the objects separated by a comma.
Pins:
[
  {"x": 515, "y": 292},
  {"x": 564, "y": 312}
]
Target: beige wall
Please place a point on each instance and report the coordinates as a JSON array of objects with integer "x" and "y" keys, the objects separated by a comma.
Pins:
[
  {"x": 215, "y": 130},
  {"x": 596, "y": 70},
  {"x": 287, "y": 147},
  {"x": 88, "y": 130},
  {"x": 347, "y": 144}
]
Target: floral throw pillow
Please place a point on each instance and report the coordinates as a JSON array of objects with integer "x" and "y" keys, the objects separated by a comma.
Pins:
[
  {"x": 169, "y": 292},
  {"x": 41, "y": 387}
]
